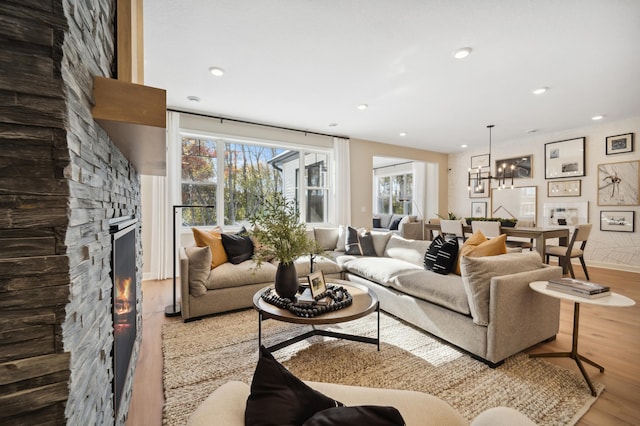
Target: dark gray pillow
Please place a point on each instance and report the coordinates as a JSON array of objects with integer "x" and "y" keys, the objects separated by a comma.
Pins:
[
  {"x": 377, "y": 223},
  {"x": 280, "y": 398},
  {"x": 395, "y": 224},
  {"x": 238, "y": 246},
  {"x": 359, "y": 244},
  {"x": 447, "y": 257}
]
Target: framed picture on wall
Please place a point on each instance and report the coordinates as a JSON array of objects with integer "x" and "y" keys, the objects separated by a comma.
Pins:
[
  {"x": 521, "y": 166},
  {"x": 565, "y": 214},
  {"x": 564, "y": 159},
  {"x": 479, "y": 209},
  {"x": 480, "y": 161},
  {"x": 619, "y": 221},
  {"x": 564, "y": 188},
  {"x": 619, "y": 184},
  {"x": 619, "y": 144},
  {"x": 479, "y": 187}
]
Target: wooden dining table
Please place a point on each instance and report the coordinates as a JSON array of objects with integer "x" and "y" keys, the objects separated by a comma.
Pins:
[{"x": 540, "y": 235}]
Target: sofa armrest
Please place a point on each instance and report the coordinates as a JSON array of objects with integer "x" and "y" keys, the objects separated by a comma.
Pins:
[
  {"x": 518, "y": 316},
  {"x": 183, "y": 270}
]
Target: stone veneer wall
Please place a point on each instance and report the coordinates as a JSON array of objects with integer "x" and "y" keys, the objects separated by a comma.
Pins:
[{"x": 61, "y": 180}]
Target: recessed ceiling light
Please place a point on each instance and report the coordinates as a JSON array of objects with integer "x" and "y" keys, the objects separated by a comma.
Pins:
[
  {"x": 363, "y": 106},
  {"x": 539, "y": 90},
  {"x": 333, "y": 124},
  {"x": 462, "y": 53},
  {"x": 218, "y": 72},
  {"x": 464, "y": 145},
  {"x": 193, "y": 98},
  {"x": 597, "y": 117},
  {"x": 532, "y": 131},
  {"x": 403, "y": 133}
]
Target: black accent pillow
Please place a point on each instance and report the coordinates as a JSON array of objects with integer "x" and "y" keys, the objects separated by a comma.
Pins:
[
  {"x": 395, "y": 223},
  {"x": 280, "y": 398},
  {"x": 359, "y": 244},
  {"x": 377, "y": 222},
  {"x": 370, "y": 415},
  {"x": 432, "y": 252},
  {"x": 238, "y": 246},
  {"x": 447, "y": 257}
]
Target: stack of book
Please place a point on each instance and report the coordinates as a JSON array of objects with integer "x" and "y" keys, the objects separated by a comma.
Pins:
[{"x": 579, "y": 288}]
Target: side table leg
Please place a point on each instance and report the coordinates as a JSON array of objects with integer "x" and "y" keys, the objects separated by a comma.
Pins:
[{"x": 378, "y": 309}]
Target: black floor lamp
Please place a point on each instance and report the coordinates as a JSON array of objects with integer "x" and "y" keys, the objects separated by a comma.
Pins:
[{"x": 174, "y": 310}]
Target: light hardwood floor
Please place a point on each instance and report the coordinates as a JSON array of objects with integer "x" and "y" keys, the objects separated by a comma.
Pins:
[{"x": 608, "y": 336}]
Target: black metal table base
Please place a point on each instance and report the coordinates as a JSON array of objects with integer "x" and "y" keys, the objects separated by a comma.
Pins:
[
  {"x": 574, "y": 352},
  {"x": 319, "y": 332}
]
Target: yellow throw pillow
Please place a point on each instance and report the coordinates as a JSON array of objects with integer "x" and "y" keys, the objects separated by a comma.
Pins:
[
  {"x": 478, "y": 245},
  {"x": 213, "y": 239}
]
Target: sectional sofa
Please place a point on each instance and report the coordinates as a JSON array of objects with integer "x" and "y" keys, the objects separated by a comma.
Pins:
[{"x": 489, "y": 311}]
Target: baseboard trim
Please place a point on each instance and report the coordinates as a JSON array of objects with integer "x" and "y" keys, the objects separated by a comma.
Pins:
[{"x": 614, "y": 266}]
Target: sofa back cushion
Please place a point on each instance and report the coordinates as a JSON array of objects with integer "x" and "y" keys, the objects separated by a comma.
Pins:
[
  {"x": 408, "y": 250},
  {"x": 380, "y": 240},
  {"x": 327, "y": 238},
  {"x": 478, "y": 271}
]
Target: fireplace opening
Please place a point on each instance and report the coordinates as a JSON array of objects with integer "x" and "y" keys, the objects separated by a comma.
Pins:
[{"x": 123, "y": 275}]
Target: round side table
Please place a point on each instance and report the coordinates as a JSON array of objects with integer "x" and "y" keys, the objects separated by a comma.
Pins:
[{"x": 614, "y": 300}]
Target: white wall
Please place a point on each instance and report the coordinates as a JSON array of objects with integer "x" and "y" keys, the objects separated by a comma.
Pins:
[{"x": 617, "y": 250}]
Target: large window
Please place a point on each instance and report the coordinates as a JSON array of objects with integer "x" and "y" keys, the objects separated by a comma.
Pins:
[
  {"x": 394, "y": 194},
  {"x": 236, "y": 176}
]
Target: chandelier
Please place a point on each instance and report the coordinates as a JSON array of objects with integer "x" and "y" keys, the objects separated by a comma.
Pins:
[{"x": 478, "y": 176}]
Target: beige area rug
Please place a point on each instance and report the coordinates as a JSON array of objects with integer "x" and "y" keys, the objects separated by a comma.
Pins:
[{"x": 199, "y": 356}]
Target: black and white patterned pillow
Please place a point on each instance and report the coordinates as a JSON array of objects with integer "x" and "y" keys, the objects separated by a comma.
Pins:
[
  {"x": 432, "y": 252},
  {"x": 447, "y": 257}
]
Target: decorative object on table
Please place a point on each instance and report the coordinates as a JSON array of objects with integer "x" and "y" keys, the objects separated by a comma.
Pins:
[
  {"x": 564, "y": 188},
  {"x": 579, "y": 288},
  {"x": 518, "y": 203},
  {"x": 564, "y": 158},
  {"x": 565, "y": 214},
  {"x": 619, "y": 221},
  {"x": 619, "y": 144},
  {"x": 479, "y": 180},
  {"x": 317, "y": 283},
  {"x": 282, "y": 236},
  {"x": 507, "y": 222},
  {"x": 619, "y": 183},
  {"x": 519, "y": 167},
  {"x": 338, "y": 295},
  {"x": 478, "y": 209}
]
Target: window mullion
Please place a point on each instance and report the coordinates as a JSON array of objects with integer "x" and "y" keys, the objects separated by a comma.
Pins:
[{"x": 220, "y": 183}]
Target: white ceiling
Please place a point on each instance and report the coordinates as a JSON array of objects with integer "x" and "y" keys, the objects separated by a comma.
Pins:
[{"x": 308, "y": 63}]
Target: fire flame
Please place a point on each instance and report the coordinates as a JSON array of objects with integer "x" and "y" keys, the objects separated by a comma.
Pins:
[{"x": 123, "y": 303}]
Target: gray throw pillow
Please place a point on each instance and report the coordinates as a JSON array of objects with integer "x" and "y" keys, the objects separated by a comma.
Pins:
[
  {"x": 199, "y": 269},
  {"x": 359, "y": 243}
]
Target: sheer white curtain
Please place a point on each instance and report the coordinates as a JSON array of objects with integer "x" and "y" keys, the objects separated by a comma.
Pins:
[
  {"x": 343, "y": 181},
  {"x": 164, "y": 194},
  {"x": 419, "y": 188}
]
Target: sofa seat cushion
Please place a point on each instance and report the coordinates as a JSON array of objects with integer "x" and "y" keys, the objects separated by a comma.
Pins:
[
  {"x": 320, "y": 263},
  {"x": 444, "y": 290},
  {"x": 244, "y": 273},
  {"x": 381, "y": 270},
  {"x": 478, "y": 271}
]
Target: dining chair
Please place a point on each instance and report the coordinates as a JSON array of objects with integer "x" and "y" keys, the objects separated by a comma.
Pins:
[
  {"x": 520, "y": 243},
  {"x": 565, "y": 254},
  {"x": 490, "y": 228},
  {"x": 452, "y": 227}
]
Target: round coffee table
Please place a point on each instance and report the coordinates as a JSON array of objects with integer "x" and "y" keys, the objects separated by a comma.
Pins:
[
  {"x": 365, "y": 302},
  {"x": 614, "y": 300}
]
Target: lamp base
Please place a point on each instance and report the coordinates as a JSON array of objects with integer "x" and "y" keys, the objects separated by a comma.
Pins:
[{"x": 172, "y": 311}]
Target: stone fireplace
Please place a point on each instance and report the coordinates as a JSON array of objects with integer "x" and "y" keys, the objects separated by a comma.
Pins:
[{"x": 62, "y": 180}]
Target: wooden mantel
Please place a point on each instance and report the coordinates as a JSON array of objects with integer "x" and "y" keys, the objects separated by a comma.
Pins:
[{"x": 132, "y": 114}]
